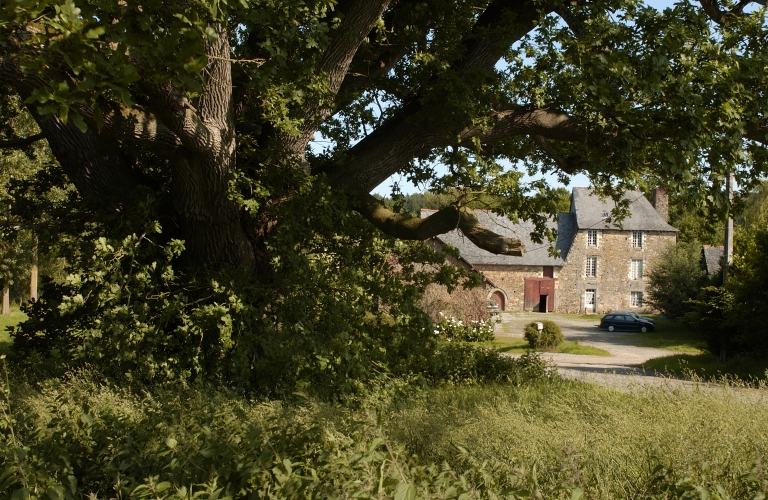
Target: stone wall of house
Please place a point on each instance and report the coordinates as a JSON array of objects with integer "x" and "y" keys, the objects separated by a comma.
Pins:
[
  {"x": 511, "y": 281},
  {"x": 613, "y": 284}
]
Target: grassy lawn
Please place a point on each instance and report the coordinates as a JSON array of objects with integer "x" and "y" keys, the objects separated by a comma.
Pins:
[
  {"x": 15, "y": 317},
  {"x": 669, "y": 335},
  {"x": 708, "y": 367},
  {"x": 515, "y": 345}
]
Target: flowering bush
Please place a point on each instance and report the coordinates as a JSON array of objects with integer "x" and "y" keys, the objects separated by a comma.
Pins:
[{"x": 474, "y": 331}]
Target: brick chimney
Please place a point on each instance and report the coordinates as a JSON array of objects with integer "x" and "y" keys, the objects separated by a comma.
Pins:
[{"x": 661, "y": 203}]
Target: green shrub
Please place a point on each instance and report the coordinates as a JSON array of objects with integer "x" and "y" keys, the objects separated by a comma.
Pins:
[
  {"x": 676, "y": 278},
  {"x": 548, "y": 338},
  {"x": 460, "y": 363}
]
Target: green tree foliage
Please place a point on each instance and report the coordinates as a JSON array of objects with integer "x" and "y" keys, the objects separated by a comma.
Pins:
[
  {"x": 746, "y": 282},
  {"x": 676, "y": 278},
  {"x": 228, "y": 243},
  {"x": 695, "y": 226},
  {"x": 732, "y": 316}
]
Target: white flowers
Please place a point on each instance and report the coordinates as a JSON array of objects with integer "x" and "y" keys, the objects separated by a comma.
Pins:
[{"x": 453, "y": 329}]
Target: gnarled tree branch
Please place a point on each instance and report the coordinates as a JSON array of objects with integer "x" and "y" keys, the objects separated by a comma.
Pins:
[
  {"x": 358, "y": 19},
  {"x": 92, "y": 161},
  {"x": 443, "y": 221},
  {"x": 21, "y": 142},
  {"x": 135, "y": 124},
  {"x": 402, "y": 139},
  {"x": 757, "y": 133},
  {"x": 716, "y": 14},
  {"x": 178, "y": 114}
]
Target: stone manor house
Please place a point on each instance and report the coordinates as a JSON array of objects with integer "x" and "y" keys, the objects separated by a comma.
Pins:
[{"x": 601, "y": 266}]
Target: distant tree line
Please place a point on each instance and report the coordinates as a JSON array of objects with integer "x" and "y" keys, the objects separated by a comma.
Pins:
[{"x": 412, "y": 203}]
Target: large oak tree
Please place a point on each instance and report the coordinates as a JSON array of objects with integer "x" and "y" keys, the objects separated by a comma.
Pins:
[
  {"x": 223, "y": 121},
  {"x": 217, "y": 94}
]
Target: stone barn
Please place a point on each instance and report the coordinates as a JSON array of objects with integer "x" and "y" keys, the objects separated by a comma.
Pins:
[{"x": 598, "y": 265}]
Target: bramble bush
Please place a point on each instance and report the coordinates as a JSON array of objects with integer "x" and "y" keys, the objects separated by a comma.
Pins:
[{"x": 548, "y": 338}]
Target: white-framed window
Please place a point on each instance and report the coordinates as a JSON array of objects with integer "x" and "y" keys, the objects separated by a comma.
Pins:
[
  {"x": 591, "y": 269},
  {"x": 637, "y": 239},
  {"x": 592, "y": 237},
  {"x": 589, "y": 297},
  {"x": 636, "y": 269},
  {"x": 636, "y": 299}
]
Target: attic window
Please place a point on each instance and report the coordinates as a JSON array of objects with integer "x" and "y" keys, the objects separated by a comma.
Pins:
[{"x": 605, "y": 213}]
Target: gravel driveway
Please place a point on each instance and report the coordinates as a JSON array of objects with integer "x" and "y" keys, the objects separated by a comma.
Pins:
[
  {"x": 621, "y": 370},
  {"x": 624, "y": 357}
]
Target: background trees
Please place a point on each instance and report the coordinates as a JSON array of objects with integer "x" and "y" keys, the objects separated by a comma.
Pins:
[
  {"x": 676, "y": 279},
  {"x": 732, "y": 316},
  {"x": 20, "y": 160}
]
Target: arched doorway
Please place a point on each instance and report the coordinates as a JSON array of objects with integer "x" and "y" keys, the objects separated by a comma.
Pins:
[{"x": 498, "y": 297}]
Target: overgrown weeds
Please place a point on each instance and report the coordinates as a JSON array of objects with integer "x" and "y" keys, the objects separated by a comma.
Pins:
[
  {"x": 77, "y": 436},
  {"x": 651, "y": 443}
]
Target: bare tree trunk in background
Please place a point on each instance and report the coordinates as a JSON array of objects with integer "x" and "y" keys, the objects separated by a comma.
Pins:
[
  {"x": 728, "y": 245},
  {"x": 33, "y": 272},
  {"x": 6, "y": 299}
]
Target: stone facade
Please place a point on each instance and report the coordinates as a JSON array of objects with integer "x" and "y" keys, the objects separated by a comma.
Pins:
[
  {"x": 614, "y": 281},
  {"x": 613, "y": 284},
  {"x": 510, "y": 280}
]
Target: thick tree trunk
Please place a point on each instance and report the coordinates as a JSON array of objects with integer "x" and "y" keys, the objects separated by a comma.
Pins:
[
  {"x": 33, "y": 272},
  {"x": 6, "y": 299},
  {"x": 208, "y": 219}
]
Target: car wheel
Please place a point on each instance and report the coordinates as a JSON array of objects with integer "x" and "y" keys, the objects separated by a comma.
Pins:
[
  {"x": 644, "y": 329},
  {"x": 611, "y": 328}
]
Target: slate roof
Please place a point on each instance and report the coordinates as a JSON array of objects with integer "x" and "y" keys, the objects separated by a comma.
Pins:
[
  {"x": 535, "y": 254},
  {"x": 711, "y": 258},
  {"x": 590, "y": 212},
  {"x": 587, "y": 212}
]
